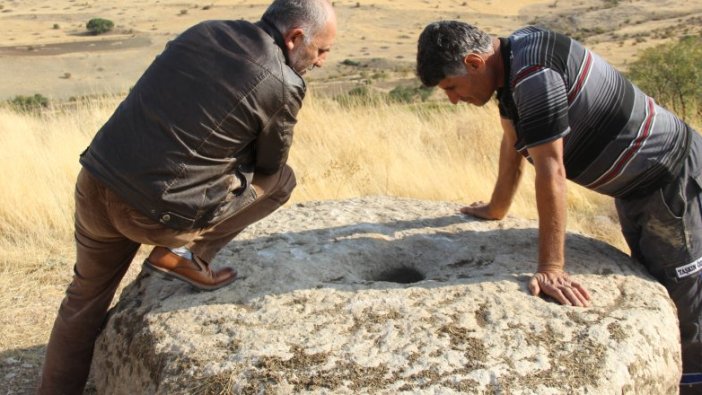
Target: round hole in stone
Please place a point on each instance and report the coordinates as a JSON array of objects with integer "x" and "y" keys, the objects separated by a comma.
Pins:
[{"x": 401, "y": 275}]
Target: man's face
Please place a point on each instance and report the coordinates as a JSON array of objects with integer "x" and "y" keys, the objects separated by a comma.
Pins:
[
  {"x": 467, "y": 88},
  {"x": 304, "y": 57},
  {"x": 475, "y": 86}
]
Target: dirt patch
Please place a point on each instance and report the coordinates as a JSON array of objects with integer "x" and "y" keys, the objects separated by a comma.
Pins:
[{"x": 97, "y": 45}]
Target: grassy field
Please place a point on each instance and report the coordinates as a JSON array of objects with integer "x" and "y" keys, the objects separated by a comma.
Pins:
[{"x": 433, "y": 152}]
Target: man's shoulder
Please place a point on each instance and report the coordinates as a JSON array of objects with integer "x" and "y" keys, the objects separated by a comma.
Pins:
[
  {"x": 239, "y": 25},
  {"x": 533, "y": 46},
  {"x": 533, "y": 33},
  {"x": 238, "y": 39},
  {"x": 232, "y": 35},
  {"x": 244, "y": 45},
  {"x": 528, "y": 30},
  {"x": 527, "y": 34}
]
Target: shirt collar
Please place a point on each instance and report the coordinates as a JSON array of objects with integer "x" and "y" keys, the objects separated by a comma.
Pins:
[
  {"x": 273, "y": 31},
  {"x": 506, "y": 54}
]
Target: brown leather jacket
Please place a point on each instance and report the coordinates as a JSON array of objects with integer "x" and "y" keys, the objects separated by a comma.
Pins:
[{"x": 220, "y": 101}]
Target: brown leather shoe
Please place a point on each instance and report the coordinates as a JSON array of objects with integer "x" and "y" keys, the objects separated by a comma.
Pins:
[{"x": 195, "y": 272}]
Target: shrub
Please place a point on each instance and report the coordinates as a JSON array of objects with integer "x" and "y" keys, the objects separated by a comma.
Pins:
[
  {"x": 672, "y": 74},
  {"x": 99, "y": 26},
  {"x": 410, "y": 94},
  {"x": 28, "y": 103},
  {"x": 349, "y": 62}
]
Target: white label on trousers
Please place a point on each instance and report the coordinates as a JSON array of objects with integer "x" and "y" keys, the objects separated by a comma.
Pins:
[{"x": 689, "y": 269}]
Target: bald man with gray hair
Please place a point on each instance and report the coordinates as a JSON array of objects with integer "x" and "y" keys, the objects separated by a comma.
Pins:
[
  {"x": 307, "y": 19},
  {"x": 193, "y": 155},
  {"x": 309, "y": 15}
]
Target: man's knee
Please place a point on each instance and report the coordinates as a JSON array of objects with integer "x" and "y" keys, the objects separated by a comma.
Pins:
[
  {"x": 288, "y": 181},
  {"x": 281, "y": 188},
  {"x": 284, "y": 186}
]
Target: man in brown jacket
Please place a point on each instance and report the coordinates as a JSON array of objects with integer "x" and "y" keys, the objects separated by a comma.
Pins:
[{"x": 194, "y": 154}]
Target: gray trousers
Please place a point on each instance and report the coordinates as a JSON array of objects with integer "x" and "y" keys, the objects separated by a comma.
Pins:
[
  {"x": 108, "y": 234},
  {"x": 664, "y": 232}
]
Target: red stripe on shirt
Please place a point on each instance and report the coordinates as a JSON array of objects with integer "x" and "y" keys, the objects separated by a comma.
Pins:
[
  {"x": 581, "y": 78},
  {"x": 525, "y": 73},
  {"x": 629, "y": 154}
]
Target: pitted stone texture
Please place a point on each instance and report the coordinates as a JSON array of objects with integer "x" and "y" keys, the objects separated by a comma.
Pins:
[{"x": 310, "y": 317}]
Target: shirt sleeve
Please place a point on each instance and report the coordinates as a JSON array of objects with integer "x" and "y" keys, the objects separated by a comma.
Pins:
[
  {"x": 274, "y": 141},
  {"x": 542, "y": 104},
  {"x": 503, "y": 110}
]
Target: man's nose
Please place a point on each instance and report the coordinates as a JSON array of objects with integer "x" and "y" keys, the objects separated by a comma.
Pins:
[
  {"x": 320, "y": 60},
  {"x": 453, "y": 97}
]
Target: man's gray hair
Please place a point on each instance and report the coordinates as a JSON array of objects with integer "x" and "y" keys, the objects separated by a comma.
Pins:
[
  {"x": 309, "y": 15},
  {"x": 442, "y": 47}
]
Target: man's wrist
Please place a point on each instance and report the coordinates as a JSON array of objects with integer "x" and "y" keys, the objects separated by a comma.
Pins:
[{"x": 550, "y": 267}]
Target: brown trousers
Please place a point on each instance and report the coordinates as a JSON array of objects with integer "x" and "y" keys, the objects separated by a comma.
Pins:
[{"x": 108, "y": 234}]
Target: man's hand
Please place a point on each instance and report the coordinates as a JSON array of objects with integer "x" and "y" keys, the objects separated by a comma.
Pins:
[
  {"x": 558, "y": 285},
  {"x": 480, "y": 209}
]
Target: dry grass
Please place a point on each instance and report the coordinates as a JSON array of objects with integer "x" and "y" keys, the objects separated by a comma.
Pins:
[{"x": 438, "y": 153}]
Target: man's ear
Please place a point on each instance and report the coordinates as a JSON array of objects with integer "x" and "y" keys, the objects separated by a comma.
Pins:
[
  {"x": 473, "y": 62},
  {"x": 292, "y": 37}
]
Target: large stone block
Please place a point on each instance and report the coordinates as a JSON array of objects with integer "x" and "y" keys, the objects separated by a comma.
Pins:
[{"x": 389, "y": 295}]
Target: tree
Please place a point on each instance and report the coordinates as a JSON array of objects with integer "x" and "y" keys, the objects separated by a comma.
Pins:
[{"x": 672, "y": 74}]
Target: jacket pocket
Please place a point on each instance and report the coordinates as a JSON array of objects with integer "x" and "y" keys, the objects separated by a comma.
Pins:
[{"x": 234, "y": 205}]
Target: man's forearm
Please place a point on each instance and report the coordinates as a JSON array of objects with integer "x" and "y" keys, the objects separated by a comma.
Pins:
[
  {"x": 510, "y": 170},
  {"x": 551, "y": 204}
]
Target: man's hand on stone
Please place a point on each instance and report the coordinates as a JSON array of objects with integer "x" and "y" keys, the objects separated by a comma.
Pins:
[{"x": 558, "y": 285}]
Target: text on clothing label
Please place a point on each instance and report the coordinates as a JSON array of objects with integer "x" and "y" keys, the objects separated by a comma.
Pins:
[{"x": 689, "y": 269}]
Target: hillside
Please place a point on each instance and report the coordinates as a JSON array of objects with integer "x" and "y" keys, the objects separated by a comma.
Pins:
[{"x": 45, "y": 48}]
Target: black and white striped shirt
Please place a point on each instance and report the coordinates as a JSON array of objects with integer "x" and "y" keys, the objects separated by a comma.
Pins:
[{"x": 616, "y": 139}]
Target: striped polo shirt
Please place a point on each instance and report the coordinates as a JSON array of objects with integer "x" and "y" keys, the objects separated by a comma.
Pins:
[{"x": 617, "y": 140}]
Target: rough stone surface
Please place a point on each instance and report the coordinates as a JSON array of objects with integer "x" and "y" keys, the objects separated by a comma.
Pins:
[{"x": 322, "y": 308}]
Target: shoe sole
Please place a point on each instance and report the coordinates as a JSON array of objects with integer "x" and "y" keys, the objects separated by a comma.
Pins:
[{"x": 169, "y": 275}]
